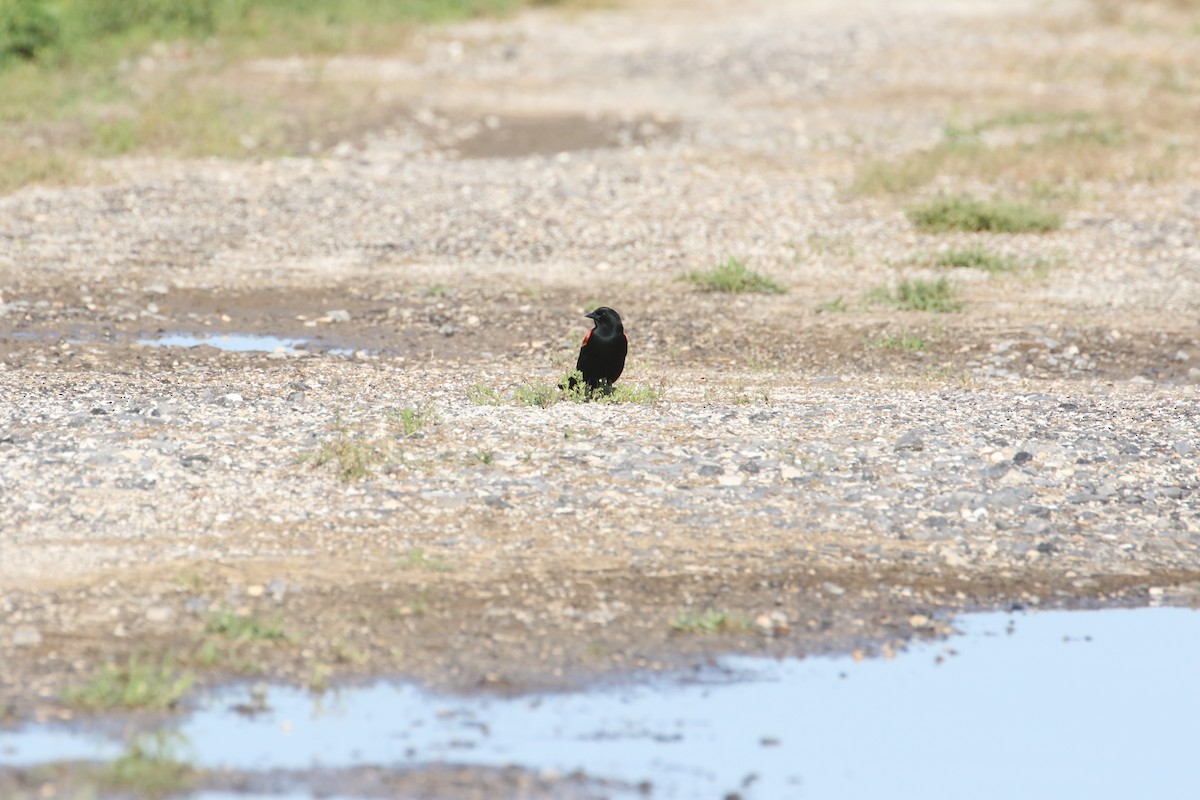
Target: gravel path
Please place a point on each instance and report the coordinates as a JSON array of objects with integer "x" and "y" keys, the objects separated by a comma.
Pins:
[{"x": 1043, "y": 447}]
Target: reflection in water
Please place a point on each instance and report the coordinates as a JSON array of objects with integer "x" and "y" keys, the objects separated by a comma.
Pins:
[
  {"x": 239, "y": 343},
  {"x": 1097, "y": 704}
]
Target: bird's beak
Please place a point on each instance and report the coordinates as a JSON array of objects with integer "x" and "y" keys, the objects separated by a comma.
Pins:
[{"x": 590, "y": 315}]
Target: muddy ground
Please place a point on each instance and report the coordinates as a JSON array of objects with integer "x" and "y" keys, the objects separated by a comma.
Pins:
[{"x": 533, "y": 167}]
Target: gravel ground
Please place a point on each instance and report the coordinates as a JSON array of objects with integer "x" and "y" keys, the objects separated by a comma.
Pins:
[{"x": 827, "y": 491}]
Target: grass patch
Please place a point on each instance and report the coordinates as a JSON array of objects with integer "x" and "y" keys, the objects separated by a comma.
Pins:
[
  {"x": 544, "y": 395},
  {"x": 356, "y": 456},
  {"x": 733, "y": 277},
  {"x": 919, "y": 295},
  {"x": 167, "y": 77},
  {"x": 482, "y": 395},
  {"x": 137, "y": 684},
  {"x": 539, "y": 393},
  {"x": 416, "y": 558},
  {"x": 964, "y": 213},
  {"x": 905, "y": 342},
  {"x": 247, "y": 628},
  {"x": 1022, "y": 146},
  {"x": 409, "y": 422},
  {"x": 975, "y": 257},
  {"x": 149, "y": 767},
  {"x": 835, "y": 306},
  {"x": 709, "y": 621},
  {"x": 25, "y": 166}
]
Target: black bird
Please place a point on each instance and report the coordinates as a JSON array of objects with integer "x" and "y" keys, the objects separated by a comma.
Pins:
[{"x": 602, "y": 354}]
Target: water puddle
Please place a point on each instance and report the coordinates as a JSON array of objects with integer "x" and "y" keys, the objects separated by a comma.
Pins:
[
  {"x": 243, "y": 343},
  {"x": 1097, "y": 704}
]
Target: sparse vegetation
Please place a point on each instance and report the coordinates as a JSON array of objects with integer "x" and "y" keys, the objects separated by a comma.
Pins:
[
  {"x": 544, "y": 394},
  {"x": 919, "y": 295},
  {"x": 907, "y": 342},
  {"x": 484, "y": 457},
  {"x": 482, "y": 395},
  {"x": 247, "y": 628},
  {"x": 416, "y": 558},
  {"x": 411, "y": 421},
  {"x": 835, "y": 306},
  {"x": 136, "y": 684},
  {"x": 976, "y": 257},
  {"x": 1025, "y": 146},
  {"x": 733, "y": 277},
  {"x": 964, "y": 213},
  {"x": 539, "y": 393},
  {"x": 86, "y": 78},
  {"x": 709, "y": 621},
  {"x": 356, "y": 455}
]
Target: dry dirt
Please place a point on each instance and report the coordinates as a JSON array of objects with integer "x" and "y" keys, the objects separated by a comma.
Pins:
[{"x": 538, "y": 165}]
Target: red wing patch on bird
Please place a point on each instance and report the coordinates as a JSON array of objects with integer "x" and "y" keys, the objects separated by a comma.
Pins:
[
  {"x": 626, "y": 338},
  {"x": 586, "y": 336}
]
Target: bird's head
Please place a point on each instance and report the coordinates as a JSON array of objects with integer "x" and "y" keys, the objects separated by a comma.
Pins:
[{"x": 605, "y": 317}]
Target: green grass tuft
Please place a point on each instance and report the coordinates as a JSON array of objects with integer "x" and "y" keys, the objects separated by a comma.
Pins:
[
  {"x": 964, "y": 213},
  {"x": 709, "y": 621},
  {"x": 919, "y": 295},
  {"x": 907, "y": 342},
  {"x": 137, "y": 684},
  {"x": 248, "y": 628},
  {"x": 409, "y": 422},
  {"x": 975, "y": 257},
  {"x": 482, "y": 395},
  {"x": 357, "y": 456},
  {"x": 733, "y": 277},
  {"x": 416, "y": 558}
]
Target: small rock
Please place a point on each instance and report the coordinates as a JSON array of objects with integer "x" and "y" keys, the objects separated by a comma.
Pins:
[
  {"x": 447, "y": 330},
  {"x": 231, "y": 399},
  {"x": 255, "y": 591},
  {"x": 1022, "y": 457},
  {"x": 911, "y": 442},
  {"x": 338, "y": 315},
  {"x": 1184, "y": 447},
  {"x": 156, "y": 288},
  {"x": 1181, "y": 355},
  {"x": 159, "y": 613},
  {"x": 26, "y": 636},
  {"x": 730, "y": 480},
  {"x": 918, "y": 621}
]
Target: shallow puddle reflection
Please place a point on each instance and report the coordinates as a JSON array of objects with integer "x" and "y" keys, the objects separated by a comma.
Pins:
[
  {"x": 1097, "y": 704},
  {"x": 241, "y": 343}
]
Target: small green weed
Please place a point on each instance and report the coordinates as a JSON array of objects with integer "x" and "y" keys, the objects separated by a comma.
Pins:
[
  {"x": 976, "y": 257},
  {"x": 919, "y": 295},
  {"x": 248, "y": 628},
  {"x": 733, "y": 277},
  {"x": 835, "y": 306},
  {"x": 415, "y": 558},
  {"x": 482, "y": 395},
  {"x": 484, "y": 457},
  {"x": 149, "y": 767},
  {"x": 631, "y": 393},
  {"x": 356, "y": 456},
  {"x": 909, "y": 343},
  {"x": 411, "y": 421},
  {"x": 137, "y": 684},
  {"x": 964, "y": 213},
  {"x": 538, "y": 393},
  {"x": 709, "y": 621}
]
